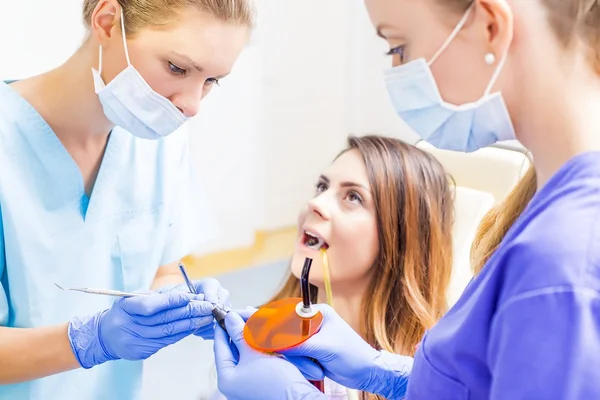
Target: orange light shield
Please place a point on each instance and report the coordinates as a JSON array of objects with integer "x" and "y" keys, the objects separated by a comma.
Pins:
[{"x": 278, "y": 326}]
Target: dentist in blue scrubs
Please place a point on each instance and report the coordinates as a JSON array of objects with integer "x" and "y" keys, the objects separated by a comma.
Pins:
[
  {"x": 96, "y": 190},
  {"x": 468, "y": 73}
]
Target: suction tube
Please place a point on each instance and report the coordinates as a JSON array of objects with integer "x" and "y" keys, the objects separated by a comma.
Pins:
[
  {"x": 304, "y": 309},
  {"x": 305, "y": 286}
]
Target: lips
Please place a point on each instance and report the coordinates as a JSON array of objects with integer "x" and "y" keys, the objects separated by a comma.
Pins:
[{"x": 313, "y": 240}]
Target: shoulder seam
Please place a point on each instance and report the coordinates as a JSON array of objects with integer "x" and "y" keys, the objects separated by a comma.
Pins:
[{"x": 544, "y": 292}]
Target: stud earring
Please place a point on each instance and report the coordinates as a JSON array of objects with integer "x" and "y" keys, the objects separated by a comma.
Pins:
[{"x": 490, "y": 58}]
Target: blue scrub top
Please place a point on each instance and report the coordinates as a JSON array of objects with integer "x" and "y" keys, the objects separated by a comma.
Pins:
[
  {"x": 528, "y": 327},
  {"x": 143, "y": 213}
]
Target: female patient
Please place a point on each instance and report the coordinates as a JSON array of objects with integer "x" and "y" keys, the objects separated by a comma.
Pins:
[{"x": 385, "y": 210}]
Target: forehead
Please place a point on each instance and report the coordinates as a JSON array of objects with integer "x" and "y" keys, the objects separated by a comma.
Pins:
[
  {"x": 389, "y": 15},
  {"x": 202, "y": 37},
  {"x": 349, "y": 167}
]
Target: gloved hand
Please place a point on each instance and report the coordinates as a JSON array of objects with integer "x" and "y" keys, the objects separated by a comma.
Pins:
[
  {"x": 352, "y": 362},
  {"x": 311, "y": 370},
  {"x": 255, "y": 375},
  {"x": 135, "y": 328},
  {"x": 213, "y": 293}
]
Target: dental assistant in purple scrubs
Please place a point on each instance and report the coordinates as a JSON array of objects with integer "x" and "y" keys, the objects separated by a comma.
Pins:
[{"x": 467, "y": 74}]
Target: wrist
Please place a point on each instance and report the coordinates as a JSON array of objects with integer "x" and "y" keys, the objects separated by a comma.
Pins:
[
  {"x": 388, "y": 376},
  {"x": 86, "y": 342},
  {"x": 311, "y": 394}
]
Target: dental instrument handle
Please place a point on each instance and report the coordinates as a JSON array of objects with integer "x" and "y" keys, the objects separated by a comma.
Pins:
[
  {"x": 186, "y": 278},
  {"x": 108, "y": 292},
  {"x": 219, "y": 314},
  {"x": 319, "y": 385}
]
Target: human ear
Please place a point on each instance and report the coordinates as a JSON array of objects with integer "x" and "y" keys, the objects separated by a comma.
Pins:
[
  {"x": 105, "y": 22},
  {"x": 497, "y": 17}
]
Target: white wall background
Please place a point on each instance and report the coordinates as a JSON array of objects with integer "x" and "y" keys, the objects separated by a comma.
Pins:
[{"x": 311, "y": 76}]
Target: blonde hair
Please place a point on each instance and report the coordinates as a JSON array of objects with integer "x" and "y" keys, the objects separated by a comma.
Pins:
[
  {"x": 498, "y": 220},
  {"x": 570, "y": 20},
  {"x": 414, "y": 209},
  {"x": 156, "y": 13}
]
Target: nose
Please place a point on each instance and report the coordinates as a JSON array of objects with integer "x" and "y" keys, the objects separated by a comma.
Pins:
[
  {"x": 320, "y": 205},
  {"x": 189, "y": 103}
]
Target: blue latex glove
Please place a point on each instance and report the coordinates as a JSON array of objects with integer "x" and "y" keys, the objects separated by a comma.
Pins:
[
  {"x": 213, "y": 292},
  {"x": 352, "y": 362},
  {"x": 135, "y": 328},
  {"x": 247, "y": 374},
  {"x": 311, "y": 370}
]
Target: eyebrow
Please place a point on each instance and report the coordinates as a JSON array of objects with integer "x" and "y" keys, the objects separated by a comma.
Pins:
[
  {"x": 381, "y": 27},
  {"x": 346, "y": 183},
  {"x": 194, "y": 64}
]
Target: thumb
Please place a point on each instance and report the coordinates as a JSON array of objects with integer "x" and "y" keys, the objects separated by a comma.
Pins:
[
  {"x": 310, "y": 368},
  {"x": 314, "y": 345},
  {"x": 310, "y": 348},
  {"x": 210, "y": 288},
  {"x": 246, "y": 312},
  {"x": 235, "y": 328},
  {"x": 327, "y": 311},
  {"x": 224, "y": 357}
]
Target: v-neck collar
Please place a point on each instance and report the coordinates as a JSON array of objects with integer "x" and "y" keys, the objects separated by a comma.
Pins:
[{"x": 63, "y": 170}]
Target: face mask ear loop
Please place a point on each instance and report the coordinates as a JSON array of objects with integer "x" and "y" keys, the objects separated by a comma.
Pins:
[
  {"x": 496, "y": 74},
  {"x": 457, "y": 29},
  {"x": 124, "y": 38},
  {"x": 100, "y": 59}
]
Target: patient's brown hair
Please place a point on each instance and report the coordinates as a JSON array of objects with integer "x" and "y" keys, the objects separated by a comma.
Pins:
[{"x": 414, "y": 205}]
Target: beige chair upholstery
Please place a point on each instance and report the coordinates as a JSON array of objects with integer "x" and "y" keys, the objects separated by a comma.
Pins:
[
  {"x": 495, "y": 169},
  {"x": 470, "y": 206},
  {"x": 483, "y": 178}
]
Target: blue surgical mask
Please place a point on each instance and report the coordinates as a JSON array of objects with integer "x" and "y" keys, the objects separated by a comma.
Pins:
[
  {"x": 129, "y": 102},
  {"x": 468, "y": 127}
]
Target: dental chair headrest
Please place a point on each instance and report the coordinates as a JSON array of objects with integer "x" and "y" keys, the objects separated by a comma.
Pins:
[{"x": 495, "y": 169}]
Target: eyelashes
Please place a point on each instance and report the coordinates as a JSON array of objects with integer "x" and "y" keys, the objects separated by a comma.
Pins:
[
  {"x": 175, "y": 70},
  {"x": 397, "y": 51},
  {"x": 352, "y": 196}
]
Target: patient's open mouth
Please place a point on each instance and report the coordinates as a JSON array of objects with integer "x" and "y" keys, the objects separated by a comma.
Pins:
[{"x": 313, "y": 241}]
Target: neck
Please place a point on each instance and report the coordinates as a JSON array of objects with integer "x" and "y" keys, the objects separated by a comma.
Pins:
[
  {"x": 564, "y": 124},
  {"x": 66, "y": 99},
  {"x": 347, "y": 302}
]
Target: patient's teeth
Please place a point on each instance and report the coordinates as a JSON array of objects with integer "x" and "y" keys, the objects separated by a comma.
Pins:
[{"x": 313, "y": 241}]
